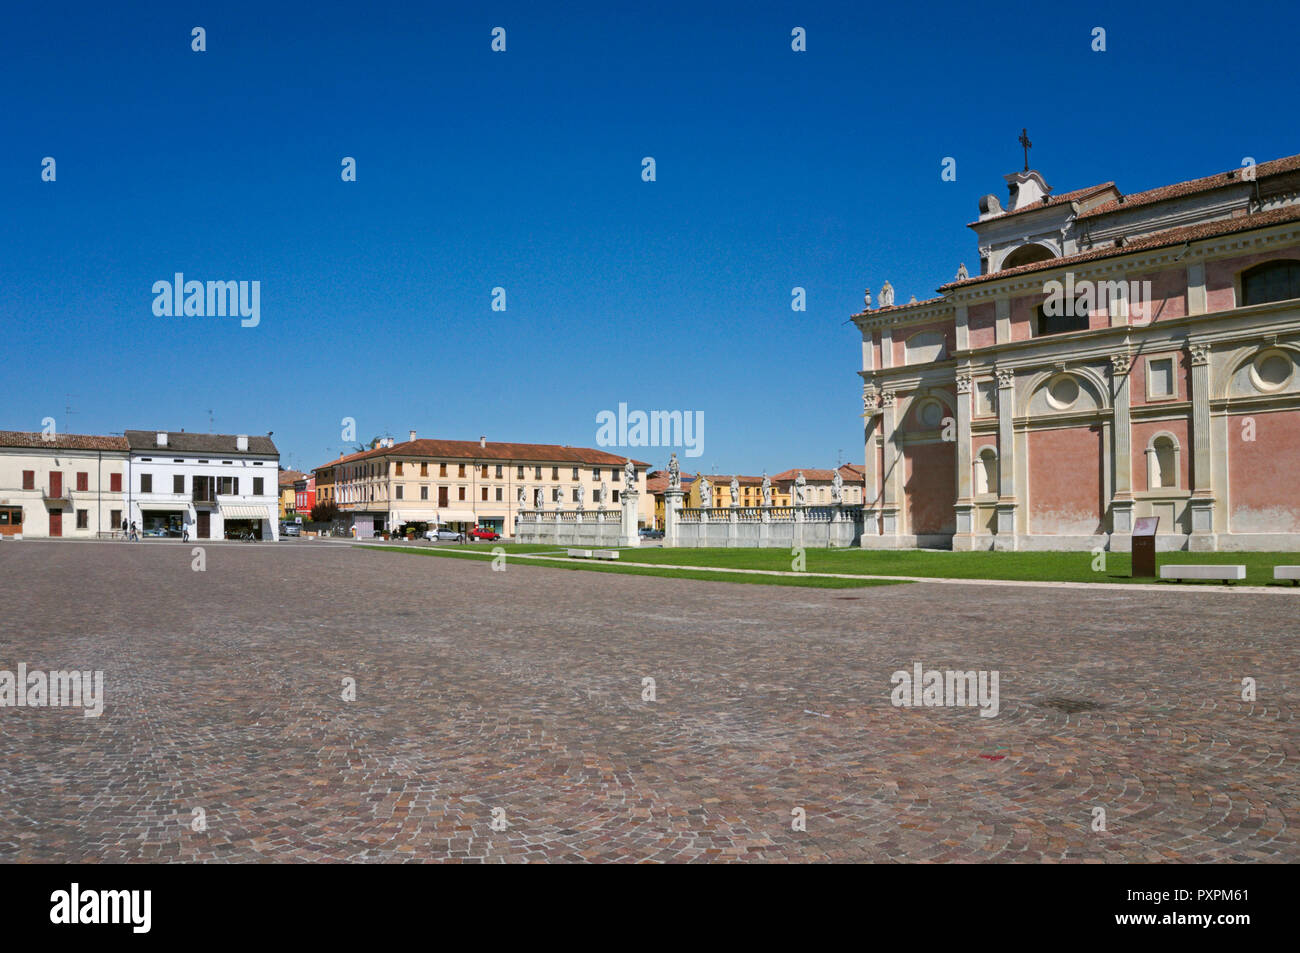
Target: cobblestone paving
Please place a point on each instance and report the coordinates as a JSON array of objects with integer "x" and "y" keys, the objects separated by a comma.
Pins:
[{"x": 521, "y": 691}]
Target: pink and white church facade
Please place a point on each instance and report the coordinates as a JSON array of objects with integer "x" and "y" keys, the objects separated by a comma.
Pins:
[{"x": 999, "y": 415}]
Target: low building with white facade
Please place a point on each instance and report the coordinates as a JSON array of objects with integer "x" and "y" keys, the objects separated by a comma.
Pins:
[
  {"x": 206, "y": 486},
  {"x": 64, "y": 485}
]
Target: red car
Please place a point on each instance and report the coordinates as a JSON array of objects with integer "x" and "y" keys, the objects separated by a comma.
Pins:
[{"x": 479, "y": 532}]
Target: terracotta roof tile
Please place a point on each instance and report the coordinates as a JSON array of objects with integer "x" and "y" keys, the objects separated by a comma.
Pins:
[
  {"x": 214, "y": 443},
  {"x": 1204, "y": 184},
  {"x": 63, "y": 441},
  {"x": 503, "y": 452}
]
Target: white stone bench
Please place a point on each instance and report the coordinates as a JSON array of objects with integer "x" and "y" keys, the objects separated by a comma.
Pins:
[
  {"x": 1287, "y": 572},
  {"x": 593, "y": 553},
  {"x": 1225, "y": 574}
]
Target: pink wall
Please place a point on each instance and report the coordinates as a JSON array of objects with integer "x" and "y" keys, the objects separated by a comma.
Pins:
[
  {"x": 981, "y": 323},
  {"x": 1168, "y": 294},
  {"x": 1065, "y": 481},
  {"x": 1023, "y": 316},
  {"x": 1263, "y": 491},
  {"x": 930, "y": 487},
  {"x": 1141, "y": 437}
]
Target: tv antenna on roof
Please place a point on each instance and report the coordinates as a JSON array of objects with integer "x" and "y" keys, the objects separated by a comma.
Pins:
[
  {"x": 67, "y": 412},
  {"x": 211, "y": 421}
]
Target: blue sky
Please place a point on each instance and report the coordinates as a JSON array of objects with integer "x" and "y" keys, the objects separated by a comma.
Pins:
[{"x": 522, "y": 169}]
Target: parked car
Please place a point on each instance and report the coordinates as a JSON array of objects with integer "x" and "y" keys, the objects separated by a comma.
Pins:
[
  {"x": 652, "y": 534},
  {"x": 483, "y": 532},
  {"x": 445, "y": 535},
  {"x": 290, "y": 529}
]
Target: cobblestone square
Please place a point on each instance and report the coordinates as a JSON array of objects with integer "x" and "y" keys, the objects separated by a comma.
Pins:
[{"x": 517, "y": 695}]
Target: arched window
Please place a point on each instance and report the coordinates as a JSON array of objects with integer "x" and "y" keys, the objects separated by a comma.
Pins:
[
  {"x": 1162, "y": 462},
  {"x": 986, "y": 472},
  {"x": 1027, "y": 255},
  {"x": 1271, "y": 281}
]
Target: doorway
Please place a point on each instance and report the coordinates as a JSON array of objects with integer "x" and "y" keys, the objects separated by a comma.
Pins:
[{"x": 56, "y": 516}]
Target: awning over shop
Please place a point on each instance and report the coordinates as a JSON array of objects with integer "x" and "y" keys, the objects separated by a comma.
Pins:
[
  {"x": 163, "y": 507},
  {"x": 456, "y": 516},
  {"x": 245, "y": 512},
  {"x": 413, "y": 516}
]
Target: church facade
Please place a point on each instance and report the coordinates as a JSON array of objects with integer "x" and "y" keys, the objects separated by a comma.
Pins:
[{"x": 1116, "y": 357}]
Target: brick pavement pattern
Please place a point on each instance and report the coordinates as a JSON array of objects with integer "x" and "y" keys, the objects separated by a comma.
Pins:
[{"x": 521, "y": 690}]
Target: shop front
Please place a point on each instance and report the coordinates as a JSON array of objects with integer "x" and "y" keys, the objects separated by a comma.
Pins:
[
  {"x": 162, "y": 523},
  {"x": 245, "y": 522},
  {"x": 11, "y": 520}
]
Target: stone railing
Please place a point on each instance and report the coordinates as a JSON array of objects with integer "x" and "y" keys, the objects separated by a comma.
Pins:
[{"x": 830, "y": 526}]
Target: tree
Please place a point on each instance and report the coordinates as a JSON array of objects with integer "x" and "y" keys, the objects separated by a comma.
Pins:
[{"x": 326, "y": 512}]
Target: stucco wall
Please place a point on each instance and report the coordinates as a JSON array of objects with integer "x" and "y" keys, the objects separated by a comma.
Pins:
[{"x": 1065, "y": 481}]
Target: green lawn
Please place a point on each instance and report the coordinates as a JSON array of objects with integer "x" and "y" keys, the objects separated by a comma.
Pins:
[
  {"x": 1047, "y": 567},
  {"x": 484, "y": 554}
]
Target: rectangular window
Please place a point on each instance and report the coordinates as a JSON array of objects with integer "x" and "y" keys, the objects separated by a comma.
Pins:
[
  {"x": 115, "y": 518},
  {"x": 555, "y": 473},
  {"x": 595, "y": 475},
  {"x": 575, "y": 494},
  {"x": 499, "y": 471},
  {"x": 424, "y": 492},
  {"x": 462, "y": 493},
  {"x": 460, "y": 470},
  {"x": 399, "y": 491},
  {"x": 616, "y": 496},
  {"x": 575, "y": 474},
  {"x": 498, "y": 494},
  {"x": 83, "y": 519},
  {"x": 483, "y": 472},
  {"x": 178, "y": 483},
  {"x": 115, "y": 483},
  {"x": 519, "y": 473},
  {"x": 399, "y": 468},
  {"x": 146, "y": 482},
  {"x": 484, "y": 494},
  {"x": 257, "y": 486},
  {"x": 537, "y": 473},
  {"x": 1160, "y": 377},
  {"x": 424, "y": 469},
  {"x": 29, "y": 479},
  {"x": 83, "y": 482},
  {"x": 442, "y": 469}
]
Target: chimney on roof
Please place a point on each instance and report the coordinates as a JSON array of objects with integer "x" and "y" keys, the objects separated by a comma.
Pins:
[
  {"x": 482, "y": 441},
  {"x": 161, "y": 438},
  {"x": 241, "y": 442},
  {"x": 412, "y": 436}
]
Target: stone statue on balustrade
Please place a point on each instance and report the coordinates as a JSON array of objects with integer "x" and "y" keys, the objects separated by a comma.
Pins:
[
  {"x": 767, "y": 490},
  {"x": 735, "y": 491},
  {"x": 604, "y": 494},
  {"x": 837, "y": 488},
  {"x": 523, "y": 497},
  {"x": 706, "y": 492},
  {"x": 629, "y": 477},
  {"x": 800, "y": 490},
  {"x": 582, "y": 495},
  {"x": 541, "y": 499},
  {"x": 674, "y": 473}
]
